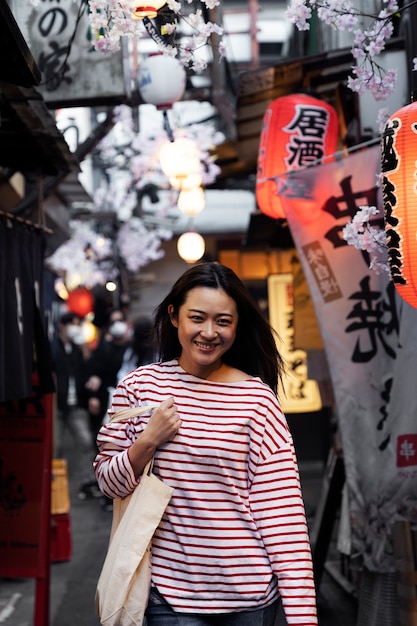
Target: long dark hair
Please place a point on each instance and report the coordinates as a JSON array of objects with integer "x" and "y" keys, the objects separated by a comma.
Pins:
[{"x": 254, "y": 349}]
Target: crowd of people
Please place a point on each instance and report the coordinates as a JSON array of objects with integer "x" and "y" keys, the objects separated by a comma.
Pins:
[{"x": 85, "y": 380}]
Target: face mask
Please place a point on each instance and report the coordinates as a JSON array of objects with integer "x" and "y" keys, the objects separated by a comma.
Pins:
[
  {"x": 73, "y": 332},
  {"x": 118, "y": 329}
]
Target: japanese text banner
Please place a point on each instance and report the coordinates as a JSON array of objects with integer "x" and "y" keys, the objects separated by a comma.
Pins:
[{"x": 370, "y": 338}]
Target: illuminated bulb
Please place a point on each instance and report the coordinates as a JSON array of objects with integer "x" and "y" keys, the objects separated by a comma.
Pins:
[{"x": 111, "y": 286}]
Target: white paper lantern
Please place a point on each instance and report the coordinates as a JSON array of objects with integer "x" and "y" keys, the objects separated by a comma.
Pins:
[
  {"x": 186, "y": 182},
  {"x": 161, "y": 80},
  {"x": 191, "y": 201},
  {"x": 191, "y": 247},
  {"x": 180, "y": 159}
]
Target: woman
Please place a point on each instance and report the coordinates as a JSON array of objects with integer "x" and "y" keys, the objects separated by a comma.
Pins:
[{"x": 233, "y": 542}]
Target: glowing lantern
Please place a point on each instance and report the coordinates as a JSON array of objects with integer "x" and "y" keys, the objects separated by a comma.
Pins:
[
  {"x": 180, "y": 161},
  {"x": 149, "y": 8},
  {"x": 80, "y": 301},
  {"x": 191, "y": 201},
  {"x": 161, "y": 80},
  {"x": 399, "y": 168},
  {"x": 297, "y": 130},
  {"x": 191, "y": 246}
]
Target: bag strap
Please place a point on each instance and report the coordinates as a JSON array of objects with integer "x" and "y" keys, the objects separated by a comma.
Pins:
[{"x": 134, "y": 411}]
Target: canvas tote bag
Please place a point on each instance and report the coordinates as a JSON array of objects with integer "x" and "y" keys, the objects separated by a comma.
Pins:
[{"x": 124, "y": 583}]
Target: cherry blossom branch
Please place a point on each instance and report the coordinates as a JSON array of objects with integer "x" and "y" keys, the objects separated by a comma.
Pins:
[
  {"x": 360, "y": 233},
  {"x": 112, "y": 19},
  {"x": 368, "y": 43}
]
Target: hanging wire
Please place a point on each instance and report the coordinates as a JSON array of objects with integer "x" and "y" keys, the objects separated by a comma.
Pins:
[{"x": 21, "y": 220}]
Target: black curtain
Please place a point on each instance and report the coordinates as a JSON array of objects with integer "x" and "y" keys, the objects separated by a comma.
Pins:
[{"x": 24, "y": 349}]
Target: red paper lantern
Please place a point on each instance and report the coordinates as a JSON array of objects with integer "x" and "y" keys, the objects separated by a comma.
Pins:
[
  {"x": 399, "y": 168},
  {"x": 80, "y": 301},
  {"x": 149, "y": 8},
  {"x": 297, "y": 130}
]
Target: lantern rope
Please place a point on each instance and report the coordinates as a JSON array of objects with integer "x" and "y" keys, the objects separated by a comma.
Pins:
[
  {"x": 322, "y": 160},
  {"x": 167, "y": 126}
]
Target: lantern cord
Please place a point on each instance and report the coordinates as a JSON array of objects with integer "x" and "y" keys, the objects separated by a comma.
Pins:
[
  {"x": 328, "y": 157},
  {"x": 21, "y": 220},
  {"x": 167, "y": 126}
]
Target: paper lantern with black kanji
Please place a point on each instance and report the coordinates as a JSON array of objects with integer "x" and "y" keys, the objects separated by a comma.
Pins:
[
  {"x": 399, "y": 169},
  {"x": 80, "y": 301},
  {"x": 297, "y": 131}
]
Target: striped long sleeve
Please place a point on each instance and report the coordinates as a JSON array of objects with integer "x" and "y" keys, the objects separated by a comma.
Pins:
[{"x": 234, "y": 536}]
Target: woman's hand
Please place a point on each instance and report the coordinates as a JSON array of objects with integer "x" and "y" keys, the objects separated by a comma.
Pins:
[{"x": 163, "y": 426}]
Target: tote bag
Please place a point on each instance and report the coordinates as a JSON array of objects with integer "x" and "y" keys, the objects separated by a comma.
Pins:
[{"x": 124, "y": 583}]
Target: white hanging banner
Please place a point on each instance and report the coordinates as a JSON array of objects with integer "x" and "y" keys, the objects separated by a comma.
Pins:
[{"x": 370, "y": 338}]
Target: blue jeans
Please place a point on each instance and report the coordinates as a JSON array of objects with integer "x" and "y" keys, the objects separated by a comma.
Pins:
[{"x": 163, "y": 615}]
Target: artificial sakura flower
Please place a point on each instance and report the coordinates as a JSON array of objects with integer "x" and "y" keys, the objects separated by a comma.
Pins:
[
  {"x": 139, "y": 245},
  {"x": 112, "y": 19},
  {"x": 132, "y": 158},
  {"x": 370, "y": 34},
  {"x": 361, "y": 234},
  {"x": 86, "y": 254}
]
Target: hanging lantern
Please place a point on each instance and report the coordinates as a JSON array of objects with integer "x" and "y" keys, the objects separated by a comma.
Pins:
[
  {"x": 161, "y": 80},
  {"x": 191, "y": 201},
  {"x": 297, "y": 130},
  {"x": 191, "y": 247},
  {"x": 80, "y": 301},
  {"x": 89, "y": 332},
  {"x": 399, "y": 186},
  {"x": 180, "y": 160},
  {"x": 186, "y": 182},
  {"x": 147, "y": 9}
]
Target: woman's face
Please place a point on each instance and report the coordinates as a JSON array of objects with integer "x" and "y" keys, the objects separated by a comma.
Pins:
[{"x": 206, "y": 323}]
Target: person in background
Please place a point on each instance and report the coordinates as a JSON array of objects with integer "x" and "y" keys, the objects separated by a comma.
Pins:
[
  {"x": 103, "y": 367},
  {"x": 141, "y": 350},
  {"x": 72, "y": 414},
  {"x": 233, "y": 542}
]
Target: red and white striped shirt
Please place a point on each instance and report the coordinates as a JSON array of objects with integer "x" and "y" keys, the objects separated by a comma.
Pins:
[{"x": 234, "y": 535}]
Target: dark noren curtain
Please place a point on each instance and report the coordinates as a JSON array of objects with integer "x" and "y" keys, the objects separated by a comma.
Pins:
[{"x": 24, "y": 348}]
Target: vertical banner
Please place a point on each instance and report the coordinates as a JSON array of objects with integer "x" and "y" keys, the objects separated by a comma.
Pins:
[
  {"x": 300, "y": 394},
  {"x": 370, "y": 338}
]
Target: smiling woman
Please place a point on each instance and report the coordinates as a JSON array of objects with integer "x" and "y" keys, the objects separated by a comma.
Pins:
[
  {"x": 233, "y": 543},
  {"x": 206, "y": 325}
]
